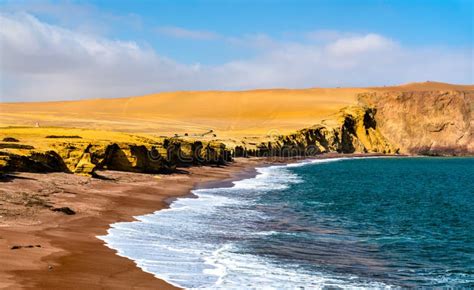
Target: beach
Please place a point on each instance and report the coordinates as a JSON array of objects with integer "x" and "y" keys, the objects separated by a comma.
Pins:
[
  {"x": 65, "y": 249},
  {"x": 313, "y": 224},
  {"x": 50, "y": 249},
  {"x": 310, "y": 145}
]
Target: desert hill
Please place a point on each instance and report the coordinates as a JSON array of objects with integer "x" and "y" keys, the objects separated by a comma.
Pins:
[
  {"x": 424, "y": 86},
  {"x": 230, "y": 114},
  {"x": 213, "y": 126},
  {"x": 227, "y": 113}
]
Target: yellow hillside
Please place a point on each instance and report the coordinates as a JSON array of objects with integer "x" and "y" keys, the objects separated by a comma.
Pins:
[{"x": 228, "y": 114}]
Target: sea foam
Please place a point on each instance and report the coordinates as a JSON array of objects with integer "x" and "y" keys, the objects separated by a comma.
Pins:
[{"x": 195, "y": 243}]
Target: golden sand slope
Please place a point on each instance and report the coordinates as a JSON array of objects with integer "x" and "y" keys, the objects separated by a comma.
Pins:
[
  {"x": 228, "y": 114},
  {"x": 420, "y": 118}
]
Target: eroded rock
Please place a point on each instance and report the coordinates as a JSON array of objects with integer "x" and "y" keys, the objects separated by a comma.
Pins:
[
  {"x": 10, "y": 139},
  {"x": 425, "y": 122},
  {"x": 352, "y": 130},
  {"x": 65, "y": 210}
]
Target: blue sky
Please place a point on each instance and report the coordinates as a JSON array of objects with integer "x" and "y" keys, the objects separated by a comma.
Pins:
[{"x": 232, "y": 44}]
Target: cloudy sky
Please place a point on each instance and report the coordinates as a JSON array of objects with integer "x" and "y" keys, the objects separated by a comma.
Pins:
[{"x": 55, "y": 50}]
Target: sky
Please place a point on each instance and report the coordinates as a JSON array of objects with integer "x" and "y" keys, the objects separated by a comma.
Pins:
[{"x": 61, "y": 50}]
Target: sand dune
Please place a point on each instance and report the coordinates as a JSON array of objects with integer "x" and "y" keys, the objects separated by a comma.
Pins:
[
  {"x": 425, "y": 86},
  {"x": 228, "y": 113}
]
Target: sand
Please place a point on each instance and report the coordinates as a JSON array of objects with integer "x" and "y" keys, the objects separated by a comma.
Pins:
[
  {"x": 70, "y": 256},
  {"x": 231, "y": 114},
  {"x": 65, "y": 252},
  {"x": 59, "y": 251}
]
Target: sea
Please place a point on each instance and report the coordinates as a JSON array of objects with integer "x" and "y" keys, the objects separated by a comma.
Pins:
[{"x": 324, "y": 223}]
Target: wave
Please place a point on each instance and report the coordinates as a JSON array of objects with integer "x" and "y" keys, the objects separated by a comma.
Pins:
[{"x": 197, "y": 242}]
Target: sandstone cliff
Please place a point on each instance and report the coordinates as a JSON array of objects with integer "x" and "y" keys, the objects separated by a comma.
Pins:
[
  {"x": 84, "y": 157},
  {"x": 416, "y": 122},
  {"x": 425, "y": 122},
  {"x": 352, "y": 130},
  {"x": 385, "y": 120}
]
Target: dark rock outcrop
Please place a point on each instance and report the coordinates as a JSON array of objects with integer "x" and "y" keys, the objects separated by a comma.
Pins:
[
  {"x": 65, "y": 210},
  {"x": 352, "y": 130},
  {"x": 15, "y": 146},
  {"x": 48, "y": 161},
  {"x": 85, "y": 159},
  {"x": 10, "y": 139}
]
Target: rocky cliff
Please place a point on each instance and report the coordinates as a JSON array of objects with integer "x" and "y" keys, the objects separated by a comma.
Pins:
[
  {"x": 425, "y": 122},
  {"x": 86, "y": 158},
  {"x": 389, "y": 122},
  {"x": 384, "y": 121},
  {"x": 352, "y": 130}
]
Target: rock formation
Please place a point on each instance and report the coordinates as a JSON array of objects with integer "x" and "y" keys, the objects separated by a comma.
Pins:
[
  {"x": 352, "y": 130},
  {"x": 86, "y": 160},
  {"x": 425, "y": 122},
  {"x": 409, "y": 122},
  {"x": 384, "y": 121}
]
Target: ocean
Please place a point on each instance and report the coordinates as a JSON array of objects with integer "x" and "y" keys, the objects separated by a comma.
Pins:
[{"x": 344, "y": 222}]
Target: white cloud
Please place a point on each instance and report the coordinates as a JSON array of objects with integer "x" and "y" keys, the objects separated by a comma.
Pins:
[
  {"x": 40, "y": 61},
  {"x": 78, "y": 16},
  {"x": 360, "y": 44},
  {"x": 179, "y": 32}
]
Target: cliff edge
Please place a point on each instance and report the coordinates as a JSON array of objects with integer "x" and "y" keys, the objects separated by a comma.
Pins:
[
  {"x": 418, "y": 119},
  {"x": 425, "y": 122}
]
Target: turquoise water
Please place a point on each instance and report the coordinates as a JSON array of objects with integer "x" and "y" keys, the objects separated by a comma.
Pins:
[
  {"x": 367, "y": 223},
  {"x": 407, "y": 222}
]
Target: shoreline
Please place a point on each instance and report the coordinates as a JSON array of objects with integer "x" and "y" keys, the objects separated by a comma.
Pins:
[
  {"x": 248, "y": 173},
  {"x": 70, "y": 254}
]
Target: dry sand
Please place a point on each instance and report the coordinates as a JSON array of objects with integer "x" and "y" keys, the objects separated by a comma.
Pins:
[
  {"x": 70, "y": 256},
  {"x": 231, "y": 114},
  {"x": 59, "y": 251}
]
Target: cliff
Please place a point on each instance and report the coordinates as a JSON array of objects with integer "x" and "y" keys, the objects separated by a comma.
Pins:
[
  {"x": 352, "y": 130},
  {"x": 113, "y": 151},
  {"x": 425, "y": 122},
  {"x": 409, "y": 119},
  {"x": 415, "y": 122}
]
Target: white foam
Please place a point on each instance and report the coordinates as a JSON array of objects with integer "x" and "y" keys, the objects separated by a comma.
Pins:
[{"x": 184, "y": 244}]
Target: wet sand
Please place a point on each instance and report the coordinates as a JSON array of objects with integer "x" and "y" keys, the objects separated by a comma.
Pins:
[
  {"x": 66, "y": 253},
  {"x": 59, "y": 251}
]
